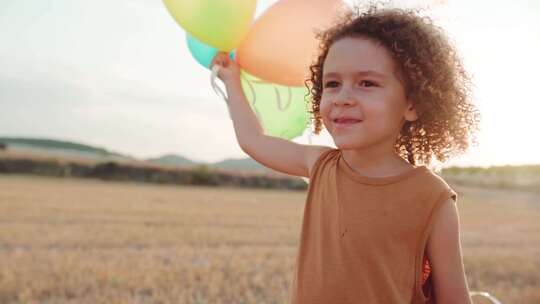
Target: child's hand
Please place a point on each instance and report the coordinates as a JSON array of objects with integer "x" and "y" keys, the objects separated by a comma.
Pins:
[{"x": 229, "y": 72}]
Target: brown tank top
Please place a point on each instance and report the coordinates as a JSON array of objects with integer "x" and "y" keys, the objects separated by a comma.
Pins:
[{"x": 363, "y": 239}]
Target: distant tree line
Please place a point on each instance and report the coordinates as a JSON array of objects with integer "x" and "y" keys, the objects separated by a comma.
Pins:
[
  {"x": 199, "y": 175},
  {"x": 523, "y": 178}
]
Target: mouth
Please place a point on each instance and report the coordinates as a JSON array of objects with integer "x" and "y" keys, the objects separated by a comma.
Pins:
[{"x": 345, "y": 121}]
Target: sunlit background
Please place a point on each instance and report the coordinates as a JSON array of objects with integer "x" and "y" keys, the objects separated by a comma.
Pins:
[{"x": 118, "y": 74}]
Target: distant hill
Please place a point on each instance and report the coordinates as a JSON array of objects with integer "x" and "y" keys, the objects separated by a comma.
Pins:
[
  {"x": 60, "y": 147},
  {"x": 242, "y": 164},
  {"x": 232, "y": 164},
  {"x": 67, "y": 148},
  {"x": 172, "y": 160}
]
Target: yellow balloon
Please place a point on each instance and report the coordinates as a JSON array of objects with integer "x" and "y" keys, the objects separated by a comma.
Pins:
[{"x": 222, "y": 24}]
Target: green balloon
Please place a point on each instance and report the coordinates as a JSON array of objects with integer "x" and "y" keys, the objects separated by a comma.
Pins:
[{"x": 281, "y": 110}]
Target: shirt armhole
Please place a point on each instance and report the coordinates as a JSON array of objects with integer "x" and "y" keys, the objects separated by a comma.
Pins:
[
  {"x": 423, "y": 286},
  {"x": 318, "y": 162}
]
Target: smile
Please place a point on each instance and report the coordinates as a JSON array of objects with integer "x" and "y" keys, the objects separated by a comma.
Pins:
[{"x": 346, "y": 123}]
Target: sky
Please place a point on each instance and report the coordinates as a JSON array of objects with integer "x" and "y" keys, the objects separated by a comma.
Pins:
[{"x": 118, "y": 74}]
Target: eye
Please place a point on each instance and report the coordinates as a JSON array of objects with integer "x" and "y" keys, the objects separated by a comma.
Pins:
[
  {"x": 331, "y": 84},
  {"x": 368, "y": 83}
]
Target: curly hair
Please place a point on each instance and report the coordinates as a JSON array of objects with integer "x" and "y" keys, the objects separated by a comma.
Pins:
[{"x": 430, "y": 69}]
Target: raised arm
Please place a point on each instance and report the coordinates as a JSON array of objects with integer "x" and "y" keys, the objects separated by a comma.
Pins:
[{"x": 273, "y": 152}]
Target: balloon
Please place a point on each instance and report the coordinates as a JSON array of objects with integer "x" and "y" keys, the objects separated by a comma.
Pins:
[
  {"x": 281, "y": 43},
  {"x": 281, "y": 110},
  {"x": 221, "y": 24},
  {"x": 202, "y": 53}
]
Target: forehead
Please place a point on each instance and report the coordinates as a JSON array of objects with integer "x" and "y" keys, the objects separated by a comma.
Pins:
[{"x": 354, "y": 54}]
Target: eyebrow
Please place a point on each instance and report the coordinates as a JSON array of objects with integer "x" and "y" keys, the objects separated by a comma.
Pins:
[{"x": 360, "y": 73}]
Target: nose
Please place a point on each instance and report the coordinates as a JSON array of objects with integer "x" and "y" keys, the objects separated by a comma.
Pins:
[{"x": 344, "y": 98}]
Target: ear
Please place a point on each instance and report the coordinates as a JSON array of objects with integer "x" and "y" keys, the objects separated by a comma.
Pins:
[{"x": 410, "y": 112}]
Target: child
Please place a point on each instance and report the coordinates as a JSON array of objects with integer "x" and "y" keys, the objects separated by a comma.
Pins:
[{"x": 378, "y": 227}]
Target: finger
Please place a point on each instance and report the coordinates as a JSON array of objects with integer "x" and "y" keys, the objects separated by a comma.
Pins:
[
  {"x": 214, "y": 62},
  {"x": 218, "y": 59}
]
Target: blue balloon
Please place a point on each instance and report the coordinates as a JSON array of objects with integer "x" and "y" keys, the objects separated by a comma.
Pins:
[{"x": 202, "y": 53}]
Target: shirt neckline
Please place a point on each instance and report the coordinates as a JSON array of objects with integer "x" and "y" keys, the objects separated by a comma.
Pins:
[{"x": 371, "y": 180}]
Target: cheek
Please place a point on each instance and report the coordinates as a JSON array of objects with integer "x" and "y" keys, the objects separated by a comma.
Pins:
[
  {"x": 324, "y": 108},
  {"x": 385, "y": 110},
  {"x": 324, "y": 111},
  {"x": 385, "y": 118}
]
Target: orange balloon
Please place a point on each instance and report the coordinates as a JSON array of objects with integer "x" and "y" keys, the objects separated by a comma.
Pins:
[{"x": 281, "y": 44}]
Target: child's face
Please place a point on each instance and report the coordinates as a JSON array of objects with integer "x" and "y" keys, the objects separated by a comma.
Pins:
[{"x": 376, "y": 102}]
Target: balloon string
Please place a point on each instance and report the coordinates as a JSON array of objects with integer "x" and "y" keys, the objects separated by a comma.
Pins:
[
  {"x": 310, "y": 134},
  {"x": 310, "y": 129},
  {"x": 217, "y": 89}
]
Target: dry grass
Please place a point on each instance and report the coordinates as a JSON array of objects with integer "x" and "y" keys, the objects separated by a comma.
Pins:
[{"x": 86, "y": 241}]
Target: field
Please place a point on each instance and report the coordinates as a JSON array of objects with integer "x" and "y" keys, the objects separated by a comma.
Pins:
[{"x": 87, "y": 241}]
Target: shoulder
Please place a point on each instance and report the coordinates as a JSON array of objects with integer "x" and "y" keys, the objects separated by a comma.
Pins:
[
  {"x": 316, "y": 155},
  {"x": 437, "y": 187}
]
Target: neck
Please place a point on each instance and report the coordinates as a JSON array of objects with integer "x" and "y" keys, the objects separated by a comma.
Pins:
[{"x": 376, "y": 160}]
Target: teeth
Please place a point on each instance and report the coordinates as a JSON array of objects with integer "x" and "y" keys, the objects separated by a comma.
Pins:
[{"x": 346, "y": 120}]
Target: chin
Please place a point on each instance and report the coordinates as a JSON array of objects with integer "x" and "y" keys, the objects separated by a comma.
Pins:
[
  {"x": 358, "y": 141},
  {"x": 348, "y": 145}
]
